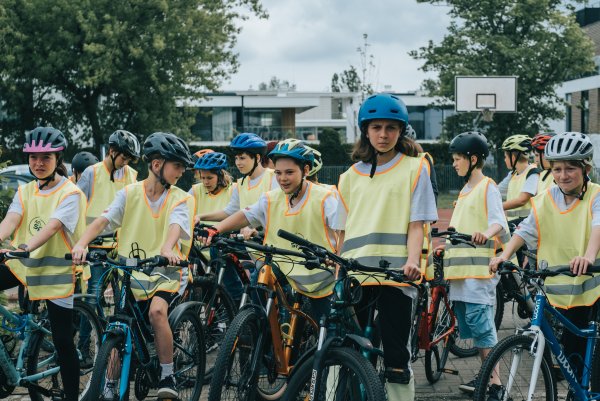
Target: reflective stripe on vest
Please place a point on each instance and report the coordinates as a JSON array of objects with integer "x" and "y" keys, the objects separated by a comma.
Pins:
[
  {"x": 515, "y": 187},
  {"x": 151, "y": 235},
  {"x": 379, "y": 215},
  {"x": 46, "y": 273},
  {"x": 308, "y": 222},
  {"x": 250, "y": 195},
  {"x": 561, "y": 237},
  {"x": 470, "y": 215}
]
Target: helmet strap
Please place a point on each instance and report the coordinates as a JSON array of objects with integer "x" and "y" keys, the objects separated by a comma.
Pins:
[
  {"x": 581, "y": 194},
  {"x": 467, "y": 176},
  {"x": 251, "y": 171},
  {"x": 298, "y": 190},
  {"x": 44, "y": 182},
  {"x": 113, "y": 167},
  {"x": 541, "y": 152},
  {"x": 546, "y": 174},
  {"x": 160, "y": 176},
  {"x": 513, "y": 163}
]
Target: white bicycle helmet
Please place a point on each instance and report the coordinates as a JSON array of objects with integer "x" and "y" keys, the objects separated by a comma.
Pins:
[{"x": 569, "y": 146}]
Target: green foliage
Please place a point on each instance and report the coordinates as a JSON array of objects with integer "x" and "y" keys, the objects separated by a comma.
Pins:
[
  {"x": 347, "y": 81},
  {"x": 532, "y": 39},
  {"x": 331, "y": 148},
  {"x": 101, "y": 65},
  {"x": 276, "y": 84}
]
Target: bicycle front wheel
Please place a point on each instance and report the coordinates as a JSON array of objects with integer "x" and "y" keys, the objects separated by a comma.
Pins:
[
  {"x": 106, "y": 376},
  {"x": 188, "y": 356},
  {"x": 512, "y": 361},
  {"x": 345, "y": 375},
  {"x": 437, "y": 355}
]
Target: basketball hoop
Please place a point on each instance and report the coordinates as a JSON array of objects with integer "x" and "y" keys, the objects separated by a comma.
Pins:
[{"x": 487, "y": 115}]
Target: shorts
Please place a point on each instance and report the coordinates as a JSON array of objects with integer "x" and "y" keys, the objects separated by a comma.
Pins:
[{"x": 476, "y": 321}]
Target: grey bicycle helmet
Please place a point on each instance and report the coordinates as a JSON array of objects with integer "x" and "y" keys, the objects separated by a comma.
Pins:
[
  {"x": 83, "y": 160},
  {"x": 569, "y": 146},
  {"x": 44, "y": 139},
  {"x": 125, "y": 142},
  {"x": 410, "y": 132}
]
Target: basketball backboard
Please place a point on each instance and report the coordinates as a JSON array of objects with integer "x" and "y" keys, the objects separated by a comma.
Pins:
[{"x": 490, "y": 94}]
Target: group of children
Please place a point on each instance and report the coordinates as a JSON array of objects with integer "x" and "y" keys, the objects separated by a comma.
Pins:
[{"x": 381, "y": 209}]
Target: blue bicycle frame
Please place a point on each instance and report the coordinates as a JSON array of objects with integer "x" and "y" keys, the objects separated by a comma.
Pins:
[{"x": 539, "y": 323}]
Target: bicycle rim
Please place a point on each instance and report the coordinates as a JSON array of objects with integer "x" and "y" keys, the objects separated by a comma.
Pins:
[{"x": 188, "y": 356}]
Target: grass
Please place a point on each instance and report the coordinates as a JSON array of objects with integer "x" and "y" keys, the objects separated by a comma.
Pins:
[{"x": 446, "y": 200}]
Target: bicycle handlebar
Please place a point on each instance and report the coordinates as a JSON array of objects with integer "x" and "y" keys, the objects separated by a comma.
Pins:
[
  {"x": 14, "y": 255},
  {"x": 507, "y": 267},
  {"x": 453, "y": 236},
  {"x": 155, "y": 261}
]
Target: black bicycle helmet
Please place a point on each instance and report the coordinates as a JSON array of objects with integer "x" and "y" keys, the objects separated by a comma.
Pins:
[
  {"x": 83, "y": 160},
  {"x": 169, "y": 147},
  {"x": 44, "y": 139},
  {"x": 125, "y": 142},
  {"x": 470, "y": 143}
]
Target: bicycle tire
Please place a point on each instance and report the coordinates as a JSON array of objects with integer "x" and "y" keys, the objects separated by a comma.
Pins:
[
  {"x": 437, "y": 355},
  {"x": 366, "y": 386},
  {"x": 595, "y": 373},
  {"x": 502, "y": 355},
  {"x": 236, "y": 350},
  {"x": 42, "y": 346},
  {"x": 188, "y": 355},
  {"x": 110, "y": 359},
  {"x": 215, "y": 318},
  {"x": 422, "y": 303},
  {"x": 499, "y": 306}
]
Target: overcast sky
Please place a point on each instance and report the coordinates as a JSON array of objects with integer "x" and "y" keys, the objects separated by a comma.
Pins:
[{"x": 307, "y": 41}]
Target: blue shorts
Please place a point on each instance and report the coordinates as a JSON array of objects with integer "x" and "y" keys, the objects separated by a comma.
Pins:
[{"x": 476, "y": 321}]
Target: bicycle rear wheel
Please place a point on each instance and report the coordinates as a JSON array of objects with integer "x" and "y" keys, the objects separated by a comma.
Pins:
[
  {"x": 514, "y": 364},
  {"x": 188, "y": 355},
  {"x": 437, "y": 355},
  {"x": 345, "y": 375}
]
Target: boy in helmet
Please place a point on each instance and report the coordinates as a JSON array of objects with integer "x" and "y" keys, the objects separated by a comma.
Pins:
[
  {"x": 80, "y": 162},
  {"x": 478, "y": 212},
  {"x": 166, "y": 212},
  {"x": 564, "y": 227},
  {"x": 520, "y": 185}
]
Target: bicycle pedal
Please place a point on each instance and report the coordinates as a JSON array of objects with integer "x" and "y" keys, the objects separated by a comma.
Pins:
[{"x": 449, "y": 371}]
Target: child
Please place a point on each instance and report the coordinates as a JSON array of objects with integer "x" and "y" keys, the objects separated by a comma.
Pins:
[{"x": 539, "y": 144}]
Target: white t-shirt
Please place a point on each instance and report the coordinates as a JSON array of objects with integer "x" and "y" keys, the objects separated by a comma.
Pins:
[
  {"x": 234, "y": 202},
  {"x": 67, "y": 212},
  {"x": 528, "y": 227},
  {"x": 257, "y": 213},
  {"x": 473, "y": 290},
  {"x": 86, "y": 181},
  {"x": 530, "y": 185}
]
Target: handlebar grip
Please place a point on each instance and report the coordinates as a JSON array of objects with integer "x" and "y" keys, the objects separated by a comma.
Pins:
[
  {"x": 294, "y": 238},
  {"x": 162, "y": 261},
  {"x": 68, "y": 256},
  {"x": 18, "y": 254}
]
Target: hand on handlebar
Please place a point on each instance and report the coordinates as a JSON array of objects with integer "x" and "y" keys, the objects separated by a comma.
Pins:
[
  {"x": 206, "y": 234},
  {"x": 248, "y": 232},
  {"x": 495, "y": 262},
  {"x": 171, "y": 256},
  {"x": 411, "y": 271},
  {"x": 479, "y": 238},
  {"x": 579, "y": 265},
  {"x": 79, "y": 253}
]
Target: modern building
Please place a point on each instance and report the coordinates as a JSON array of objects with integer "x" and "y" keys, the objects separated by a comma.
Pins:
[{"x": 304, "y": 115}]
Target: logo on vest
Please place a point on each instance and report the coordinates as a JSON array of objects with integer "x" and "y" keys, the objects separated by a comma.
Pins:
[{"x": 35, "y": 225}]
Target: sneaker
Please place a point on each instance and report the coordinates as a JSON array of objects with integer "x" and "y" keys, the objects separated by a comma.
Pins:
[
  {"x": 110, "y": 390},
  {"x": 496, "y": 392},
  {"x": 167, "y": 388},
  {"x": 469, "y": 387}
]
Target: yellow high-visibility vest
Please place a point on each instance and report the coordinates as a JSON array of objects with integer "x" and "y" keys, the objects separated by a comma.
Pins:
[
  {"x": 308, "y": 222},
  {"x": 46, "y": 273},
  {"x": 544, "y": 184},
  {"x": 378, "y": 215},
  {"x": 143, "y": 229},
  {"x": 427, "y": 252},
  {"x": 561, "y": 237},
  {"x": 515, "y": 187},
  {"x": 250, "y": 195},
  {"x": 104, "y": 190},
  {"x": 470, "y": 215}
]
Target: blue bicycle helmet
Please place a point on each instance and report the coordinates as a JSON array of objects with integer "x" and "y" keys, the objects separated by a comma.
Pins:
[
  {"x": 247, "y": 142},
  {"x": 212, "y": 161},
  {"x": 295, "y": 149},
  {"x": 382, "y": 106}
]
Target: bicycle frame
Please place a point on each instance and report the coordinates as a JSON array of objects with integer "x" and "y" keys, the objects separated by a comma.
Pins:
[
  {"x": 427, "y": 325},
  {"x": 541, "y": 331},
  {"x": 14, "y": 371}
]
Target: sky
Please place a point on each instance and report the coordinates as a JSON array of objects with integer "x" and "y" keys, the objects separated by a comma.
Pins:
[{"x": 307, "y": 41}]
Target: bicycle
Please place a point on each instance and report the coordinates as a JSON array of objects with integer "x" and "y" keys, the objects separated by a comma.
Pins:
[
  {"x": 27, "y": 355},
  {"x": 128, "y": 335},
  {"x": 260, "y": 348},
  {"x": 344, "y": 352},
  {"x": 522, "y": 357},
  {"x": 463, "y": 348}
]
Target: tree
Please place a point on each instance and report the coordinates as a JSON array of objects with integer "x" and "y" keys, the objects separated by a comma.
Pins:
[
  {"x": 348, "y": 80},
  {"x": 276, "y": 84},
  {"x": 95, "y": 66},
  {"x": 532, "y": 39}
]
